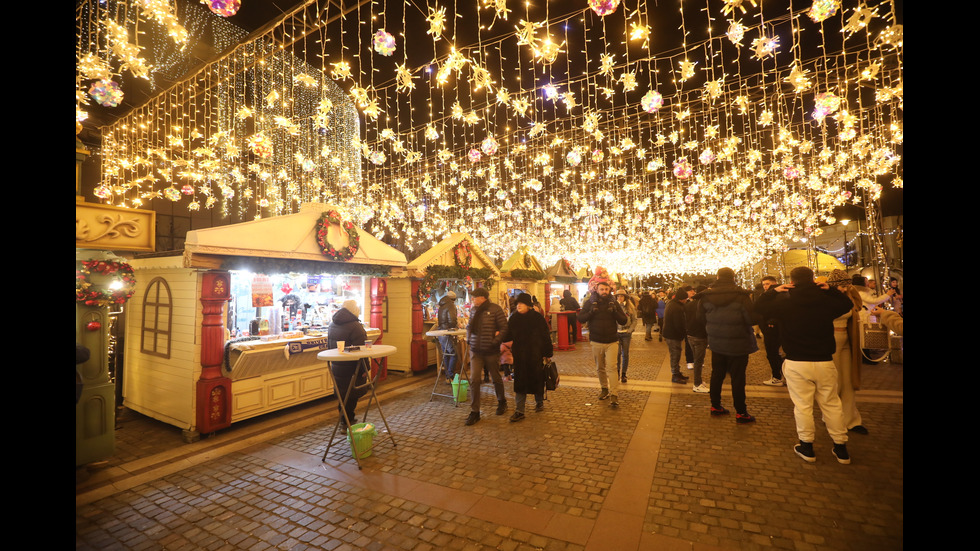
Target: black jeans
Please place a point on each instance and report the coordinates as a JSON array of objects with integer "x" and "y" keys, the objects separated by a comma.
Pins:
[{"x": 734, "y": 366}]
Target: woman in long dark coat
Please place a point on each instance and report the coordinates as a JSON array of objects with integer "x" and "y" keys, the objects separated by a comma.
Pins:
[{"x": 532, "y": 344}]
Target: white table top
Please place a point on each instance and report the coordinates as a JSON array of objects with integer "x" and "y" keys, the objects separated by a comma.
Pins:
[
  {"x": 376, "y": 351},
  {"x": 445, "y": 332}
]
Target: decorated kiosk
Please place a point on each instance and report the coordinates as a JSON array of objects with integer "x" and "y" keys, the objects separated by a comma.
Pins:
[
  {"x": 454, "y": 264},
  {"x": 560, "y": 278},
  {"x": 522, "y": 273},
  {"x": 230, "y": 329}
]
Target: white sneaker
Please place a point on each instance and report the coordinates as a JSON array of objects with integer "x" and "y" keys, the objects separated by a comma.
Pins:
[
  {"x": 690, "y": 366},
  {"x": 702, "y": 389},
  {"x": 774, "y": 382}
]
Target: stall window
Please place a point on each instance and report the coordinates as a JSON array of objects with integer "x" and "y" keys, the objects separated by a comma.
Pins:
[{"x": 157, "y": 317}]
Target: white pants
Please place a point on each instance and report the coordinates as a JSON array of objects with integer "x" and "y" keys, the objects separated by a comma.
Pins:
[
  {"x": 606, "y": 356},
  {"x": 806, "y": 381}
]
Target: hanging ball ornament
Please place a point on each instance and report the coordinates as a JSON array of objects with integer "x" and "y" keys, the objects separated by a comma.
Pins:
[
  {"x": 489, "y": 145},
  {"x": 603, "y": 7},
  {"x": 107, "y": 93},
  {"x": 652, "y": 101},
  {"x": 384, "y": 43},
  {"x": 224, "y": 8},
  {"x": 823, "y": 9},
  {"x": 682, "y": 168},
  {"x": 187, "y": 189},
  {"x": 474, "y": 155},
  {"x": 260, "y": 145},
  {"x": 93, "y": 326},
  {"x": 573, "y": 158}
]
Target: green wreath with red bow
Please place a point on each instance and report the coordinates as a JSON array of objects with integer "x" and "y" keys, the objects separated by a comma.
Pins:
[
  {"x": 328, "y": 250},
  {"x": 462, "y": 255},
  {"x": 101, "y": 296}
]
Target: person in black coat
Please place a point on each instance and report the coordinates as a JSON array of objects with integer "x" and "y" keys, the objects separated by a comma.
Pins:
[
  {"x": 347, "y": 327},
  {"x": 569, "y": 304},
  {"x": 674, "y": 332},
  {"x": 532, "y": 346}
]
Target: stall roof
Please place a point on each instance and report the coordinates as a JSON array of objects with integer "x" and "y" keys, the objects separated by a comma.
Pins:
[
  {"x": 441, "y": 253},
  {"x": 291, "y": 236},
  {"x": 822, "y": 263},
  {"x": 560, "y": 269},
  {"x": 521, "y": 260}
]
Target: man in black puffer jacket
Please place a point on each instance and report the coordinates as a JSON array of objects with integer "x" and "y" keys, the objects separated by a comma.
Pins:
[
  {"x": 674, "y": 332},
  {"x": 806, "y": 312},
  {"x": 604, "y": 316},
  {"x": 488, "y": 323},
  {"x": 727, "y": 312},
  {"x": 347, "y": 327}
]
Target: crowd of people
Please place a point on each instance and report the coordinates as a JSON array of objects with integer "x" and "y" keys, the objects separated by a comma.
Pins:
[{"x": 810, "y": 329}]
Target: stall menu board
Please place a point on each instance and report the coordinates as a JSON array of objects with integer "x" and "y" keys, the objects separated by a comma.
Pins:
[{"x": 261, "y": 291}]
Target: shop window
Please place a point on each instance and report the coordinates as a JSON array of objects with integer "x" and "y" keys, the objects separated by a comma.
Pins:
[{"x": 158, "y": 314}]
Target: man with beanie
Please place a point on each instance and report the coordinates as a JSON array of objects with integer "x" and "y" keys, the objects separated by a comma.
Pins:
[
  {"x": 347, "y": 327},
  {"x": 806, "y": 312},
  {"x": 447, "y": 320},
  {"x": 727, "y": 313},
  {"x": 485, "y": 332},
  {"x": 604, "y": 316},
  {"x": 674, "y": 331}
]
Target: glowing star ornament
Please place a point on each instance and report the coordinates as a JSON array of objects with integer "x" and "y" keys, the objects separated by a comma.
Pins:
[
  {"x": 224, "y": 8},
  {"x": 798, "y": 79},
  {"x": 731, "y": 5},
  {"x": 859, "y": 19},
  {"x": 606, "y": 64},
  {"x": 106, "y": 93},
  {"x": 765, "y": 46},
  {"x": 404, "y": 79},
  {"x": 823, "y": 9},
  {"x": 629, "y": 81},
  {"x": 638, "y": 32},
  {"x": 652, "y": 101},
  {"x": 682, "y": 168},
  {"x": 549, "y": 91},
  {"x": 603, "y": 7}
]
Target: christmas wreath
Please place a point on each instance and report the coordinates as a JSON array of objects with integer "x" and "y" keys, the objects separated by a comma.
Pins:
[
  {"x": 462, "y": 255},
  {"x": 103, "y": 296},
  {"x": 328, "y": 250}
]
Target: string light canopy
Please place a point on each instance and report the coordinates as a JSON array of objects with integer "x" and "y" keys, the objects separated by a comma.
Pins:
[{"x": 575, "y": 130}]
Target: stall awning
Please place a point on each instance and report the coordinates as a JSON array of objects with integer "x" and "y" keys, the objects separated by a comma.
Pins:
[
  {"x": 442, "y": 254},
  {"x": 291, "y": 236}
]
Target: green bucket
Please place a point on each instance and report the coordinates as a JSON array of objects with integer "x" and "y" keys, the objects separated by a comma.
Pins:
[
  {"x": 361, "y": 437},
  {"x": 460, "y": 389}
]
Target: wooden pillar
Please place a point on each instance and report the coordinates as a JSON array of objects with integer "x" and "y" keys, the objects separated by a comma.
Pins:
[
  {"x": 379, "y": 305},
  {"x": 419, "y": 346},
  {"x": 213, "y": 388}
]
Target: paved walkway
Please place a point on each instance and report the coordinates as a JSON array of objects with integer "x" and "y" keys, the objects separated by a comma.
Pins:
[{"x": 657, "y": 473}]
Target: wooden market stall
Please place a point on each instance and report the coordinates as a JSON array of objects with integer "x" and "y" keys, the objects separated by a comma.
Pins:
[
  {"x": 561, "y": 277},
  {"x": 455, "y": 263},
  {"x": 191, "y": 356},
  {"x": 522, "y": 273}
]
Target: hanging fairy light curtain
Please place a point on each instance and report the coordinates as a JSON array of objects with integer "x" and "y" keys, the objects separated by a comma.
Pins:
[{"x": 576, "y": 134}]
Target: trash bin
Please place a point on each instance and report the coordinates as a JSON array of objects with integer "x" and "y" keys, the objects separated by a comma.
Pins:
[
  {"x": 460, "y": 389},
  {"x": 361, "y": 437}
]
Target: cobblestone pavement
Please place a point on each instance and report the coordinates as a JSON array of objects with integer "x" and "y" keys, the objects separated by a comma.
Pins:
[{"x": 656, "y": 473}]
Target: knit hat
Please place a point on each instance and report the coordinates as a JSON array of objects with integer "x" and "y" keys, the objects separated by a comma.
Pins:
[
  {"x": 622, "y": 292},
  {"x": 837, "y": 278},
  {"x": 525, "y": 299},
  {"x": 351, "y": 306},
  {"x": 480, "y": 292}
]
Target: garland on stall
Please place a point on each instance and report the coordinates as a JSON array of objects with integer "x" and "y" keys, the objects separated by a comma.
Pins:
[
  {"x": 328, "y": 250},
  {"x": 527, "y": 274},
  {"x": 299, "y": 266},
  {"x": 469, "y": 276},
  {"x": 103, "y": 296}
]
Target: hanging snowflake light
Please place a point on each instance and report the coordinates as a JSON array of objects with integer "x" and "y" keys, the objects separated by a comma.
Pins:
[{"x": 736, "y": 31}]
